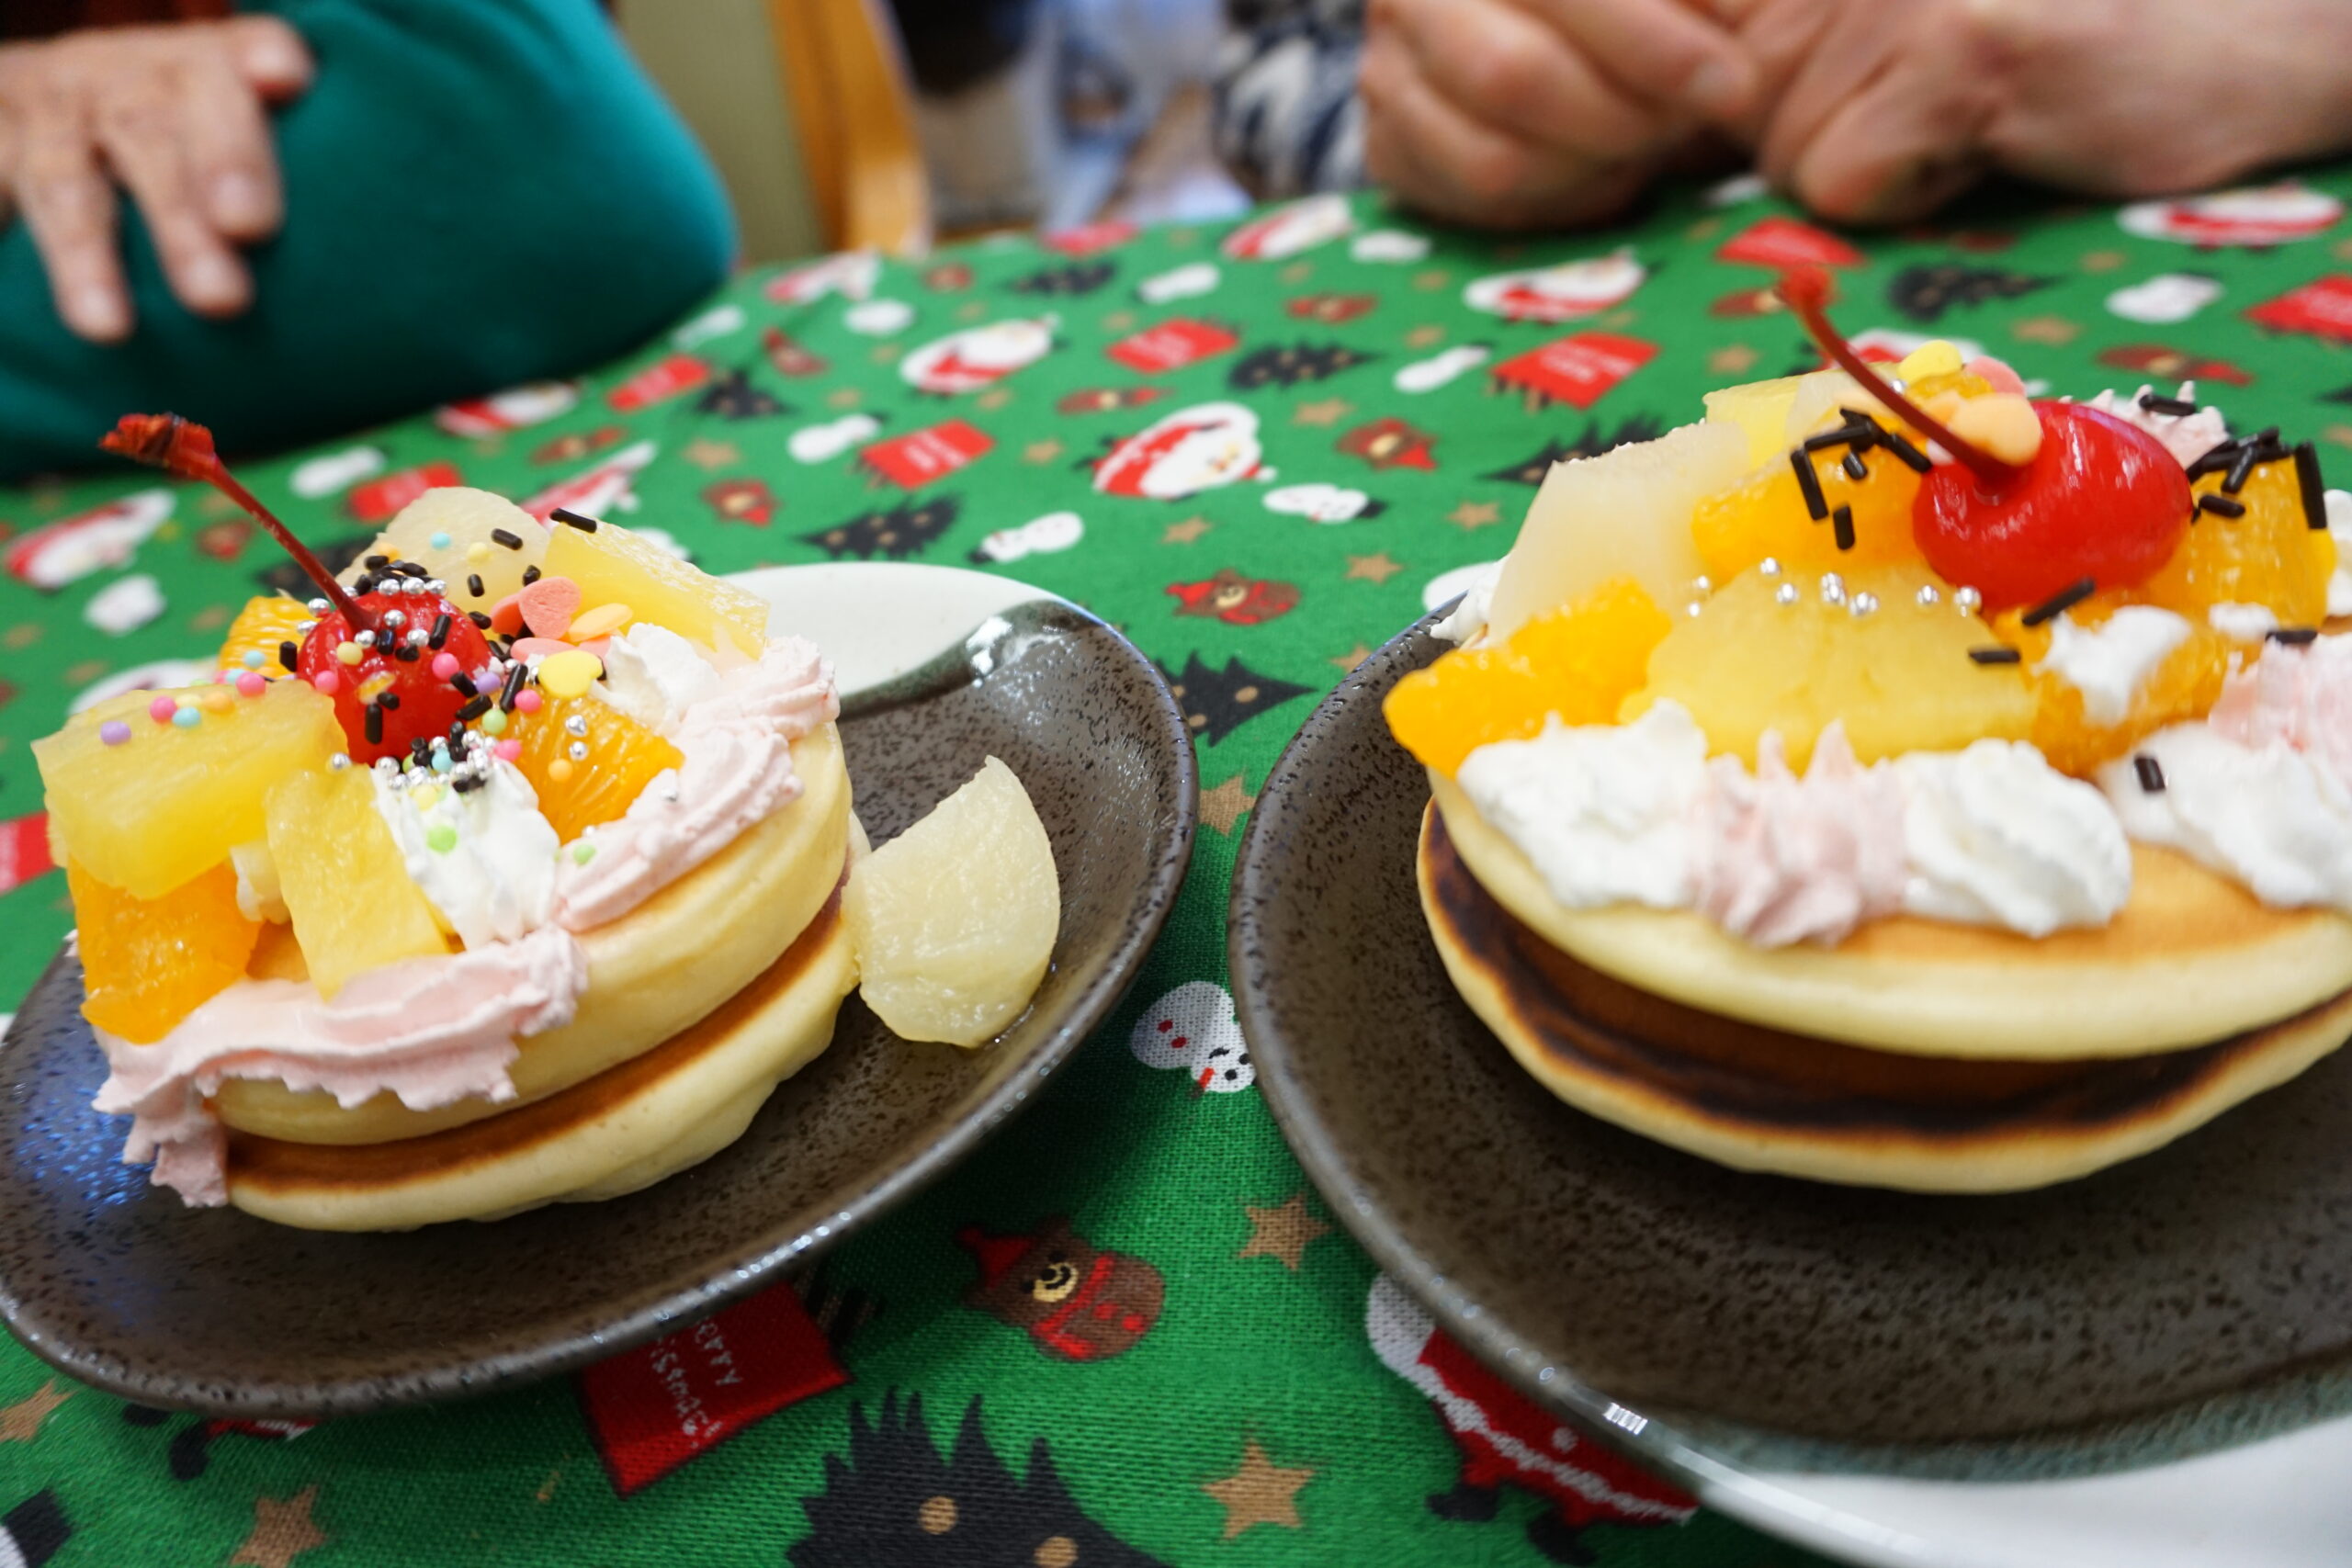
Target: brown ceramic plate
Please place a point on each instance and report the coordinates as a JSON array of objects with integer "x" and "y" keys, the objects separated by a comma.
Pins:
[
  {"x": 2183, "y": 1299},
  {"x": 118, "y": 1284}
]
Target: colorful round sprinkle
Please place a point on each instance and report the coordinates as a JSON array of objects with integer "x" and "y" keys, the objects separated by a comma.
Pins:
[
  {"x": 507, "y": 750},
  {"x": 582, "y": 853},
  {"x": 326, "y": 683},
  {"x": 528, "y": 700},
  {"x": 439, "y": 541},
  {"x": 113, "y": 732},
  {"x": 217, "y": 700},
  {"x": 350, "y": 652},
  {"x": 560, "y": 770},
  {"x": 441, "y": 839},
  {"x": 189, "y": 717},
  {"x": 441, "y": 762},
  {"x": 252, "y": 659},
  {"x": 477, "y": 552},
  {"x": 494, "y": 721},
  {"x": 443, "y": 666},
  {"x": 162, "y": 709},
  {"x": 252, "y": 684}
]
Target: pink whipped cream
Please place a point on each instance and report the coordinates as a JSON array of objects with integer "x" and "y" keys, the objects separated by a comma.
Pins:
[
  {"x": 1777, "y": 859},
  {"x": 2300, "y": 696},
  {"x": 436, "y": 1030},
  {"x": 2188, "y": 436}
]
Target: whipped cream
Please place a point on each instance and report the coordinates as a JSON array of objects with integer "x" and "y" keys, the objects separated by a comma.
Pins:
[
  {"x": 259, "y": 896},
  {"x": 1604, "y": 811},
  {"x": 2188, "y": 436},
  {"x": 2339, "y": 528},
  {"x": 2245, "y": 623},
  {"x": 653, "y": 676},
  {"x": 1782, "y": 860},
  {"x": 2109, "y": 663},
  {"x": 1994, "y": 835},
  {"x": 2272, "y": 817},
  {"x": 1468, "y": 617},
  {"x": 431, "y": 1031},
  {"x": 495, "y": 880},
  {"x": 2298, "y": 697}
]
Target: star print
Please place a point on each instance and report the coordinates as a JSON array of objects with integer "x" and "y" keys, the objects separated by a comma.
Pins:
[
  {"x": 1186, "y": 533},
  {"x": 971, "y": 310},
  {"x": 1427, "y": 336},
  {"x": 1260, "y": 1493},
  {"x": 1376, "y": 568},
  {"x": 1434, "y": 278},
  {"x": 24, "y": 635},
  {"x": 1221, "y": 807},
  {"x": 21, "y": 1422},
  {"x": 2056, "y": 330},
  {"x": 282, "y": 1531},
  {"x": 1352, "y": 658},
  {"x": 1044, "y": 451},
  {"x": 1620, "y": 320},
  {"x": 844, "y": 396},
  {"x": 1298, "y": 272},
  {"x": 2104, "y": 261},
  {"x": 884, "y": 354},
  {"x": 711, "y": 455},
  {"x": 1706, "y": 229},
  {"x": 1118, "y": 320},
  {"x": 1731, "y": 360},
  {"x": 1327, "y": 411},
  {"x": 1283, "y": 1231},
  {"x": 993, "y": 398},
  {"x": 211, "y": 618},
  {"x": 2341, "y": 434},
  {"x": 1476, "y": 514}
]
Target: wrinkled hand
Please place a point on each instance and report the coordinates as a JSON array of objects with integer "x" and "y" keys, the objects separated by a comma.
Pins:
[
  {"x": 1876, "y": 113},
  {"x": 1516, "y": 114},
  {"x": 177, "y": 116}
]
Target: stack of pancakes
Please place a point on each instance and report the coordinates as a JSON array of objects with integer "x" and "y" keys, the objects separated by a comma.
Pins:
[
  {"x": 1915, "y": 1054},
  {"x": 699, "y": 1002}
]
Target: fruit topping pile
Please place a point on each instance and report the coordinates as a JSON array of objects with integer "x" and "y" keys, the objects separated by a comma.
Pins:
[{"x": 1918, "y": 550}]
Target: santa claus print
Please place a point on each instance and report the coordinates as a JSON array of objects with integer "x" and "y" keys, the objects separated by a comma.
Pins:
[
  {"x": 977, "y": 356},
  {"x": 1506, "y": 1439},
  {"x": 850, "y": 274},
  {"x": 605, "y": 485},
  {"x": 518, "y": 408},
  {"x": 71, "y": 548},
  {"x": 1193, "y": 449},
  {"x": 1193, "y": 1030},
  {"x": 1078, "y": 1301},
  {"x": 2252, "y": 217},
  {"x": 1567, "y": 292},
  {"x": 1291, "y": 228}
]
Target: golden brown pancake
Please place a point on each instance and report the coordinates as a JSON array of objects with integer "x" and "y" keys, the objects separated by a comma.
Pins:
[
  {"x": 626, "y": 1128},
  {"x": 1760, "y": 1099},
  {"x": 2191, "y": 958}
]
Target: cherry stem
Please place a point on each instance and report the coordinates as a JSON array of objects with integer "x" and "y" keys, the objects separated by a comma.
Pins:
[
  {"x": 1805, "y": 290},
  {"x": 181, "y": 446}
]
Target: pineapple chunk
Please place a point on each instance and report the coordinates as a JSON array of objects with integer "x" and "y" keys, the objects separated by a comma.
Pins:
[
  {"x": 1900, "y": 677},
  {"x": 1761, "y": 410},
  {"x": 1624, "y": 513},
  {"x": 614, "y": 566},
  {"x": 148, "y": 963},
  {"x": 170, "y": 803},
  {"x": 954, "y": 920},
  {"x": 353, "y": 905},
  {"x": 466, "y": 518}
]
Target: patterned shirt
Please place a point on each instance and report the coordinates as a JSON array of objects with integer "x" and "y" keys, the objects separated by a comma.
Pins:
[{"x": 1287, "y": 119}]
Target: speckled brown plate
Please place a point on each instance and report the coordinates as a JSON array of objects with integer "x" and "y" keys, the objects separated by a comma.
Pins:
[
  {"x": 119, "y": 1285},
  {"x": 2183, "y": 1299}
]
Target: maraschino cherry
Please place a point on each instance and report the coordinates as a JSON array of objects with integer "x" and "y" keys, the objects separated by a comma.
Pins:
[
  {"x": 402, "y": 663},
  {"x": 2102, "y": 500}
]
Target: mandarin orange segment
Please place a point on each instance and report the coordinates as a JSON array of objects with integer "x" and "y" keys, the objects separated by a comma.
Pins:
[
  {"x": 264, "y": 625},
  {"x": 2183, "y": 687},
  {"x": 2270, "y": 557},
  {"x": 618, "y": 757},
  {"x": 1579, "y": 663},
  {"x": 148, "y": 963},
  {"x": 1766, "y": 515}
]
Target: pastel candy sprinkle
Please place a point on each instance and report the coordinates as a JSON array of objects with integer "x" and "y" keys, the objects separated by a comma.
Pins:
[
  {"x": 162, "y": 709},
  {"x": 349, "y": 652},
  {"x": 549, "y": 605},
  {"x": 506, "y": 616},
  {"x": 494, "y": 721},
  {"x": 569, "y": 673},
  {"x": 217, "y": 700},
  {"x": 441, "y": 838},
  {"x": 426, "y": 796},
  {"x": 326, "y": 683},
  {"x": 476, "y": 553},
  {"x": 600, "y": 622},
  {"x": 443, "y": 666},
  {"x": 113, "y": 732},
  {"x": 560, "y": 770},
  {"x": 253, "y": 684},
  {"x": 443, "y": 763},
  {"x": 439, "y": 541},
  {"x": 529, "y": 648},
  {"x": 252, "y": 659},
  {"x": 528, "y": 701},
  {"x": 582, "y": 853},
  {"x": 507, "y": 750},
  {"x": 187, "y": 717}
]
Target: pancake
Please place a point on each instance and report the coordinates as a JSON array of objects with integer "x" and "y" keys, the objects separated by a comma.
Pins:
[
  {"x": 650, "y": 974},
  {"x": 632, "y": 1125},
  {"x": 2191, "y": 958},
  {"x": 1762, "y": 1100}
]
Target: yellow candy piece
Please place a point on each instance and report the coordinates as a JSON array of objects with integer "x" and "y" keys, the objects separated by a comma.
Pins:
[
  {"x": 602, "y": 621},
  {"x": 570, "y": 674},
  {"x": 349, "y": 652},
  {"x": 476, "y": 553},
  {"x": 426, "y": 796},
  {"x": 216, "y": 699},
  {"x": 1933, "y": 358}
]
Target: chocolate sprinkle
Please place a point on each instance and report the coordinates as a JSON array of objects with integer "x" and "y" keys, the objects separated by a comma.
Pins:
[
  {"x": 406, "y": 653},
  {"x": 2314, "y": 488},
  {"x": 377, "y": 563},
  {"x": 362, "y": 585},
  {"x": 479, "y": 619},
  {"x": 464, "y": 683},
  {"x": 530, "y": 575},
  {"x": 2220, "y": 506},
  {"x": 1817, "y": 505},
  {"x": 2241, "y": 466},
  {"x": 515, "y": 676},
  {"x": 1841, "y": 522},
  {"x": 2058, "y": 603},
  {"x": 440, "y": 631},
  {"x": 2179, "y": 407},
  {"x": 2214, "y": 462},
  {"x": 1854, "y": 467},
  {"x": 473, "y": 710},
  {"x": 2293, "y": 637},
  {"x": 585, "y": 525},
  {"x": 2151, "y": 772},
  {"x": 1995, "y": 655},
  {"x": 389, "y": 702},
  {"x": 1910, "y": 456},
  {"x": 511, "y": 541},
  {"x": 474, "y": 587},
  {"x": 375, "y": 725},
  {"x": 288, "y": 653}
]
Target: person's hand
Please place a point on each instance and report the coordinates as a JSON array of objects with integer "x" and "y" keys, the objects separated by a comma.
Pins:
[
  {"x": 1515, "y": 114},
  {"x": 178, "y": 116},
  {"x": 1878, "y": 113}
]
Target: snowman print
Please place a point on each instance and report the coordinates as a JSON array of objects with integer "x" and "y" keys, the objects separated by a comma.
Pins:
[{"x": 1193, "y": 1030}]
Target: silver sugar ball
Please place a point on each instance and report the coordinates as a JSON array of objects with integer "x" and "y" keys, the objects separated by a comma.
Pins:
[
  {"x": 1927, "y": 595},
  {"x": 304, "y": 629},
  {"x": 1769, "y": 566},
  {"x": 1694, "y": 609},
  {"x": 577, "y": 750},
  {"x": 366, "y": 640},
  {"x": 1785, "y": 595},
  {"x": 1967, "y": 600},
  {"x": 337, "y": 762},
  {"x": 317, "y": 606},
  {"x": 1701, "y": 586},
  {"x": 395, "y": 618},
  {"x": 1861, "y": 604},
  {"x": 575, "y": 725},
  {"x": 1833, "y": 588}
]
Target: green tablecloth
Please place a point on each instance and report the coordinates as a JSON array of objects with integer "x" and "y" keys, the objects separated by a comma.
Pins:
[{"x": 1300, "y": 426}]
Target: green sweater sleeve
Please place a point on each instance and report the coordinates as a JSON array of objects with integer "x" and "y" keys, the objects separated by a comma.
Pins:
[{"x": 479, "y": 192}]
